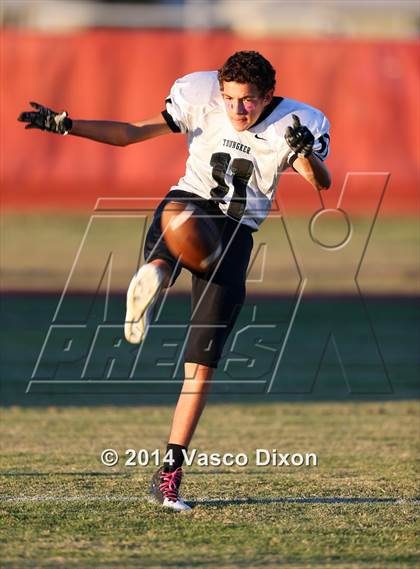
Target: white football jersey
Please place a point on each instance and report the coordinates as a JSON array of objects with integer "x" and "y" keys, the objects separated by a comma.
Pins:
[{"x": 239, "y": 170}]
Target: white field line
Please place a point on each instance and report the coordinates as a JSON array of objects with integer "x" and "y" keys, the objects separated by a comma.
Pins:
[
  {"x": 76, "y": 498},
  {"x": 212, "y": 501}
]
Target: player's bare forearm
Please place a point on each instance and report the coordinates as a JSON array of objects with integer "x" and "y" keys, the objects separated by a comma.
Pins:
[
  {"x": 314, "y": 171},
  {"x": 120, "y": 133}
]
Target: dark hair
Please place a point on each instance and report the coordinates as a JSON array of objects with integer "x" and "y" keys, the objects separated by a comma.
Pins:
[{"x": 248, "y": 67}]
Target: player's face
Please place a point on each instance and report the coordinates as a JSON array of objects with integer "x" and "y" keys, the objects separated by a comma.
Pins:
[{"x": 244, "y": 103}]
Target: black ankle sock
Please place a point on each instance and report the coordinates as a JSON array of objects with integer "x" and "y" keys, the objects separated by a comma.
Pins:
[{"x": 177, "y": 455}]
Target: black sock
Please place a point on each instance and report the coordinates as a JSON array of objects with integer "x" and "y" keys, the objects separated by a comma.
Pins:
[{"x": 177, "y": 456}]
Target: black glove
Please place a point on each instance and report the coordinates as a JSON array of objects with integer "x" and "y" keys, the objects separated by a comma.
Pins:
[
  {"x": 46, "y": 119},
  {"x": 299, "y": 138}
]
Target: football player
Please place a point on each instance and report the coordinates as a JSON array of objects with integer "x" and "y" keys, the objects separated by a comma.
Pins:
[{"x": 241, "y": 137}]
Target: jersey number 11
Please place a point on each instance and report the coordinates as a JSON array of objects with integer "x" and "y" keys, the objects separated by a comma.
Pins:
[{"x": 241, "y": 173}]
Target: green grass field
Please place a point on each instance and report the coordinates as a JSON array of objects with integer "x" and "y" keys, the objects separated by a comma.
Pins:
[
  {"x": 38, "y": 251},
  {"x": 62, "y": 508}
]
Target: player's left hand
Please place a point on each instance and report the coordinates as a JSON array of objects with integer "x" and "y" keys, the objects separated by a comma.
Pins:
[
  {"x": 299, "y": 138},
  {"x": 46, "y": 119}
]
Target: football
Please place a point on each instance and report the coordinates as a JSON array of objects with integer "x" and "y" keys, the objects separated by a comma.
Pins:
[{"x": 191, "y": 235}]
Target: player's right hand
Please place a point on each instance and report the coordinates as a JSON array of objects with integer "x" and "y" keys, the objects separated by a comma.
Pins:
[{"x": 46, "y": 119}]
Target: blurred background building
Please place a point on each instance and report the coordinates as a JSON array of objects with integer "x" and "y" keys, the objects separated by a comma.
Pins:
[
  {"x": 356, "y": 18},
  {"x": 356, "y": 60}
]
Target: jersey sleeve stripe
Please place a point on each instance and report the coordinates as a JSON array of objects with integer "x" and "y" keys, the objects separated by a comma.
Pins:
[
  {"x": 321, "y": 146},
  {"x": 170, "y": 121}
]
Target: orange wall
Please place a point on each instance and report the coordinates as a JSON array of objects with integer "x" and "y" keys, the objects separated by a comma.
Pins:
[{"x": 368, "y": 89}]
